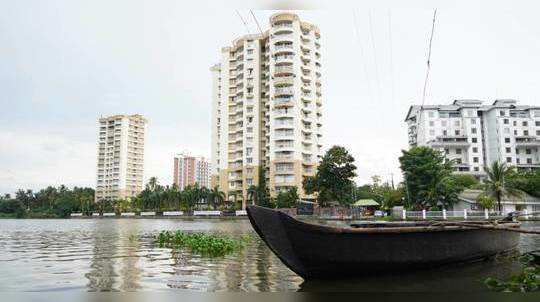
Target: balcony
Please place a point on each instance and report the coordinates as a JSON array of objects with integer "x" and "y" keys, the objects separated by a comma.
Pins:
[
  {"x": 284, "y": 81},
  {"x": 284, "y": 91},
  {"x": 284, "y": 47},
  {"x": 450, "y": 141},
  {"x": 284, "y": 59},
  {"x": 283, "y": 70},
  {"x": 527, "y": 141}
]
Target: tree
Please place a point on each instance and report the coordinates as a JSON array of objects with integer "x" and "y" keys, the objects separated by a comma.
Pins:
[
  {"x": 263, "y": 198},
  {"x": 333, "y": 180},
  {"x": 252, "y": 193},
  {"x": 428, "y": 178},
  {"x": 486, "y": 201},
  {"x": 495, "y": 183},
  {"x": 216, "y": 197},
  {"x": 287, "y": 199},
  {"x": 465, "y": 180},
  {"x": 527, "y": 181}
]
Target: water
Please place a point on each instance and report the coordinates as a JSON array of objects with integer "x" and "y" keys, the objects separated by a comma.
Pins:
[{"x": 120, "y": 255}]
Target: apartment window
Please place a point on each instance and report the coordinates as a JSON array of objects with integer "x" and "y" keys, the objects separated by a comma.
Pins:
[
  {"x": 458, "y": 161},
  {"x": 507, "y": 140},
  {"x": 508, "y": 150},
  {"x": 431, "y": 114},
  {"x": 508, "y": 159},
  {"x": 249, "y": 181},
  {"x": 447, "y": 151},
  {"x": 475, "y": 149},
  {"x": 525, "y": 123},
  {"x": 525, "y": 132},
  {"x": 250, "y": 51},
  {"x": 458, "y": 151},
  {"x": 538, "y": 132},
  {"x": 249, "y": 151},
  {"x": 445, "y": 133},
  {"x": 514, "y": 123},
  {"x": 529, "y": 161},
  {"x": 431, "y": 123},
  {"x": 475, "y": 159},
  {"x": 474, "y": 140},
  {"x": 517, "y": 151},
  {"x": 528, "y": 151},
  {"x": 515, "y": 132},
  {"x": 473, "y": 130},
  {"x": 457, "y": 132},
  {"x": 501, "y": 113},
  {"x": 249, "y": 160},
  {"x": 506, "y": 121},
  {"x": 473, "y": 121},
  {"x": 537, "y": 123},
  {"x": 476, "y": 169},
  {"x": 249, "y": 129}
]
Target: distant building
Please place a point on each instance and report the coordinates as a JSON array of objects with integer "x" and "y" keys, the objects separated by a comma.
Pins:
[
  {"x": 266, "y": 109},
  {"x": 476, "y": 135},
  {"x": 189, "y": 170},
  {"x": 120, "y": 165}
]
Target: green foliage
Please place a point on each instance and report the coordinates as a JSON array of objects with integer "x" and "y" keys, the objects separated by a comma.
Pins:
[
  {"x": 263, "y": 198},
  {"x": 486, "y": 201},
  {"x": 49, "y": 202},
  {"x": 528, "y": 280},
  {"x": 465, "y": 181},
  {"x": 200, "y": 243},
  {"x": 429, "y": 182},
  {"x": 12, "y": 206},
  {"x": 334, "y": 179},
  {"x": 496, "y": 185},
  {"x": 287, "y": 199},
  {"x": 527, "y": 181}
]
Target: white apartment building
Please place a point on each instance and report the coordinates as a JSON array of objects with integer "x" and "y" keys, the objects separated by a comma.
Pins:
[
  {"x": 476, "y": 135},
  {"x": 267, "y": 108},
  {"x": 120, "y": 163},
  {"x": 191, "y": 170}
]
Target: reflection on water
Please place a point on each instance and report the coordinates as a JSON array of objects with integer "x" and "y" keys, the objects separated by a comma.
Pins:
[{"x": 119, "y": 255}]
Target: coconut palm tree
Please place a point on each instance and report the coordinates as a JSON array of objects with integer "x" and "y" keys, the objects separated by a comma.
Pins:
[
  {"x": 252, "y": 193},
  {"x": 216, "y": 197},
  {"x": 496, "y": 186}
]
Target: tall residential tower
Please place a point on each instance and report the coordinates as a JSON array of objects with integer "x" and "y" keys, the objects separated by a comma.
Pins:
[
  {"x": 191, "y": 170},
  {"x": 120, "y": 157},
  {"x": 267, "y": 109}
]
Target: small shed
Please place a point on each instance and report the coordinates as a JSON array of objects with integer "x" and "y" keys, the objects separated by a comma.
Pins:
[
  {"x": 366, "y": 203},
  {"x": 366, "y": 206}
]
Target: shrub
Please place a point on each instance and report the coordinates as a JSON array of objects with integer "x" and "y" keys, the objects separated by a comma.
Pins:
[{"x": 204, "y": 244}]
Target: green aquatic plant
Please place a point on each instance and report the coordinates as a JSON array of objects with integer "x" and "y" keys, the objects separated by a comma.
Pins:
[
  {"x": 205, "y": 244},
  {"x": 527, "y": 280}
]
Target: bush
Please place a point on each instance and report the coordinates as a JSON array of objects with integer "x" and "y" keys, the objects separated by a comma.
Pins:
[{"x": 12, "y": 206}]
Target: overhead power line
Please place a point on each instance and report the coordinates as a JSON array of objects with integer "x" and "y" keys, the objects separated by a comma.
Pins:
[
  {"x": 428, "y": 59},
  {"x": 243, "y": 21},
  {"x": 256, "y": 21},
  {"x": 375, "y": 58},
  {"x": 362, "y": 54}
]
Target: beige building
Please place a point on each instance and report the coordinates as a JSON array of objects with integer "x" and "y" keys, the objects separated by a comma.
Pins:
[
  {"x": 120, "y": 157},
  {"x": 267, "y": 108}
]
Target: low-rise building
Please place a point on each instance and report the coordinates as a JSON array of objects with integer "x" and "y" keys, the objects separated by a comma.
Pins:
[{"x": 475, "y": 135}]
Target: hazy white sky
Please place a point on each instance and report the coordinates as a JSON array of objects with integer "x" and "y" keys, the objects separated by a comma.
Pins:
[{"x": 65, "y": 63}]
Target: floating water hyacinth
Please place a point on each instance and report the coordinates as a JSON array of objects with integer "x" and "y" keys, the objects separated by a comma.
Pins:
[{"x": 200, "y": 243}]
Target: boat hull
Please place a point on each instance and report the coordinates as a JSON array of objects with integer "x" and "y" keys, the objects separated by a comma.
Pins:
[{"x": 315, "y": 251}]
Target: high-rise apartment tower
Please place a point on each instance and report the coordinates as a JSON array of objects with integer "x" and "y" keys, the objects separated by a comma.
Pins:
[
  {"x": 266, "y": 116},
  {"x": 120, "y": 163}
]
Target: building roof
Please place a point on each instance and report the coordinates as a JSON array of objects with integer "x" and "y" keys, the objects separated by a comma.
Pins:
[
  {"x": 470, "y": 196},
  {"x": 366, "y": 203}
]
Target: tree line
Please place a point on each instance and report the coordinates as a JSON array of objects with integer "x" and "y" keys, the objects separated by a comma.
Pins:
[{"x": 429, "y": 182}]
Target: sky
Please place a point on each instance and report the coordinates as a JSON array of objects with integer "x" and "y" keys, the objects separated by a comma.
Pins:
[{"x": 63, "y": 64}]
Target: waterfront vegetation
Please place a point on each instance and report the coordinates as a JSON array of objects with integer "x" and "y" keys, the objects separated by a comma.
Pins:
[
  {"x": 209, "y": 245},
  {"x": 429, "y": 183},
  {"x": 527, "y": 280}
]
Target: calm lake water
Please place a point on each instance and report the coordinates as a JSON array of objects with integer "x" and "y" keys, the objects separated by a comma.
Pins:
[{"x": 119, "y": 255}]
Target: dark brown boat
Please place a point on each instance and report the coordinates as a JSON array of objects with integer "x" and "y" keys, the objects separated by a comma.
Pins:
[{"x": 317, "y": 251}]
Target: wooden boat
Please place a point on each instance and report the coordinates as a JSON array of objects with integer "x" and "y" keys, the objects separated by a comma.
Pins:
[{"x": 317, "y": 251}]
